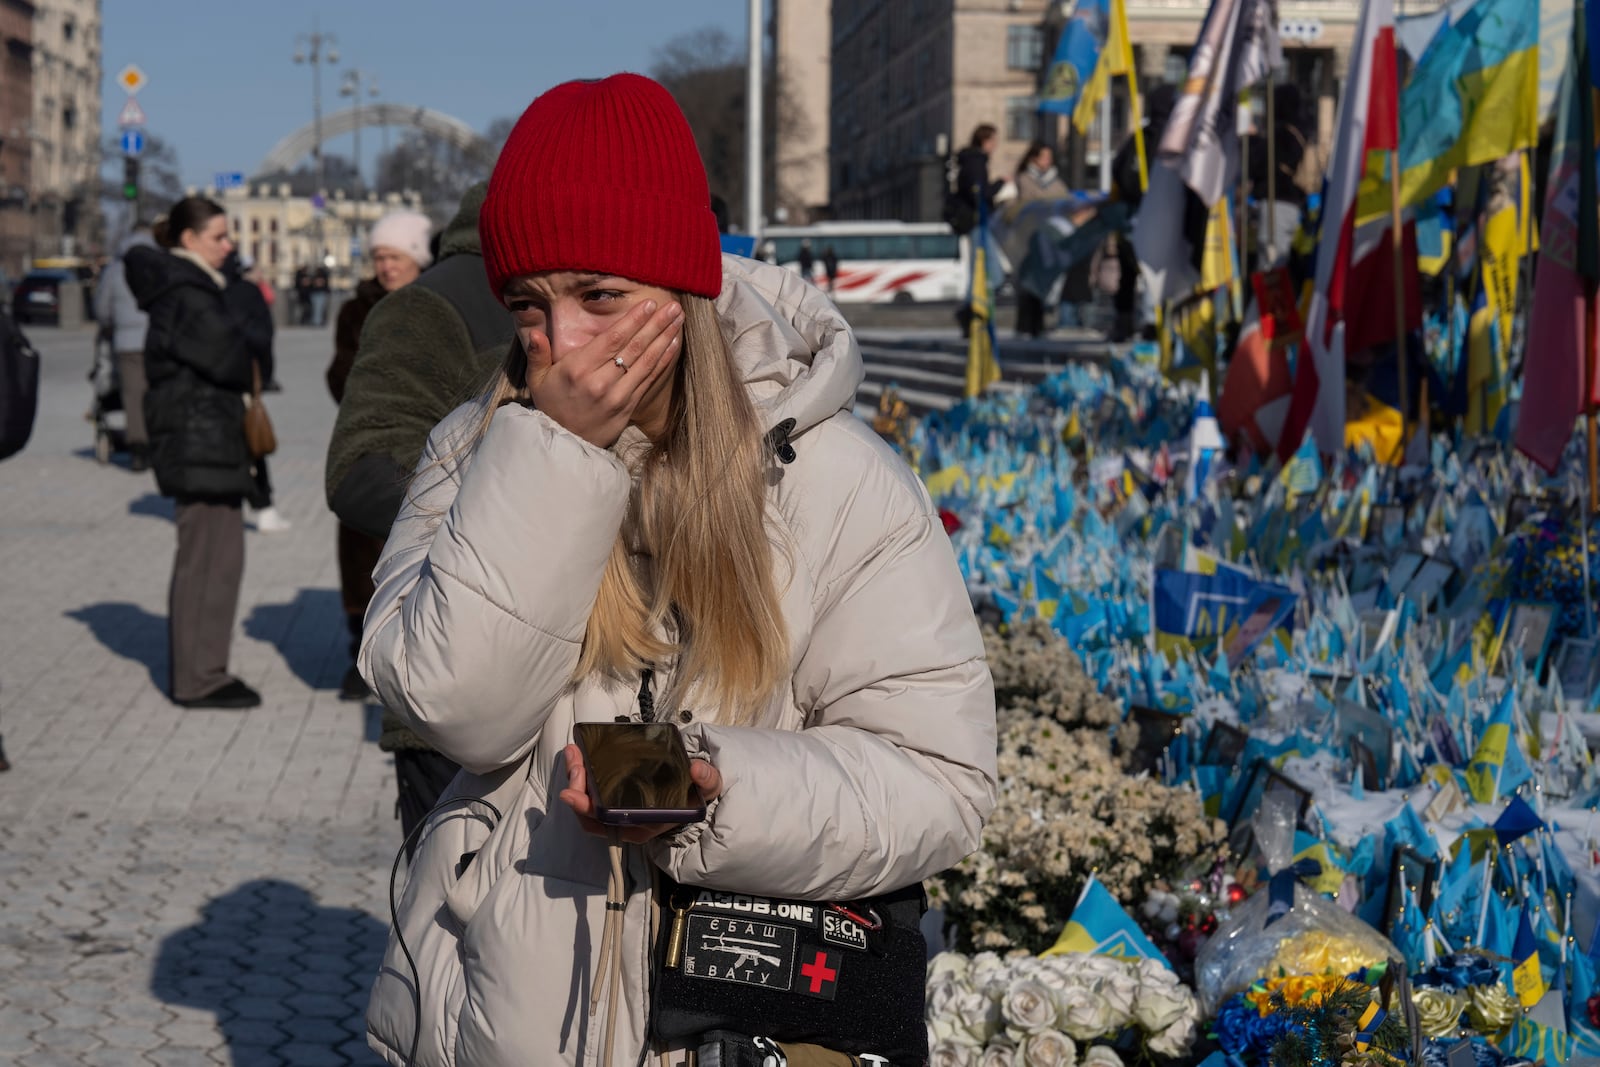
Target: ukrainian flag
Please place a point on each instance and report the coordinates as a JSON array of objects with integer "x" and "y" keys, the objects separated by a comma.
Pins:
[
  {"x": 1526, "y": 976},
  {"x": 1497, "y": 759},
  {"x": 1101, "y": 927},
  {"x": 1473, "y": 98},
  {"x": 983, "y": 369}
]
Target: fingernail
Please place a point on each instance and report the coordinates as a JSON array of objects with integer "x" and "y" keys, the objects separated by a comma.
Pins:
[
  {"x": 650, "y": 307},
  {"x": 677, "y": 311}
]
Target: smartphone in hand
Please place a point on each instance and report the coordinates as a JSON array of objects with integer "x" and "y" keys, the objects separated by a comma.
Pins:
[{"x": 638, "y": 773}]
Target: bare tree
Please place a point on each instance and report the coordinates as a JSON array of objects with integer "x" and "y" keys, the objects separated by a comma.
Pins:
[
  {"x": 160, "y": 184},
  {"x": 705, "y": 72},
  {"x": 438, "y": 170}
]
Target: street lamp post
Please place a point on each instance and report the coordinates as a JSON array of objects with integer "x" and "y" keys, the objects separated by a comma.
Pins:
[
  {"x": 354, "y": 82},
  {"x": 316, "y": 48}
]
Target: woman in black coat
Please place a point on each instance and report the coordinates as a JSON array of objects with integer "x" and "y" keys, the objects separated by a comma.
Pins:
[{"x": 198, "y": 365}]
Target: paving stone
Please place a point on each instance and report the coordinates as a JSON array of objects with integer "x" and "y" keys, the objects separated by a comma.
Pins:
[
  {"x": 191, "y": 1034},
  {"x": 65, "y": 1039},
  {"x": 78, "y": 1016},
  {"x": 177, "y": 1056},
  {"x": 319, "y": 1005},
  {"x": 129, "y": 1036},
  {"x": 312, "y": 1056}
]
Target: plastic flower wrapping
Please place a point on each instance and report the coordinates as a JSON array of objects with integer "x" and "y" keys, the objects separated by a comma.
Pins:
[{"x": 1067, "y": 1010}]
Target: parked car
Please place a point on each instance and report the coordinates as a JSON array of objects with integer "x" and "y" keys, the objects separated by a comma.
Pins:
[{"x": 37, "y": 297}]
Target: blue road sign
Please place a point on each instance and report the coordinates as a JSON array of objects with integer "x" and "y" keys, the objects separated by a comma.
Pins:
[
  {"x": 228, "y": 179},
  {"x": 132, "y": 142}
]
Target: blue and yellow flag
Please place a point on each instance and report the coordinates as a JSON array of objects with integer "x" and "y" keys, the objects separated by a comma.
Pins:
[
  {"x": 983, "y": 369},
  {"x": 1100, "y": 926},
  {"x": 1498, "y": 761},
  {"x": 1473, "y": 98},
  {"x": 1527, "y": 978}
]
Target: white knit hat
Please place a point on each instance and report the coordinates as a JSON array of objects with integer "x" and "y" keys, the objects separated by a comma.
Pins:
[{"x": 406, "y": 232}]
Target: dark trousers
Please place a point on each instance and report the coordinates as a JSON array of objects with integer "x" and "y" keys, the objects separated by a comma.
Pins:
[
  {"x": 130, "y": 375},
  {"x": 204, "y": 596},
  {"x": 1030, "y": 314},
  {"x": 358, "y": 557},
  {"x": 421, "y": 776}
]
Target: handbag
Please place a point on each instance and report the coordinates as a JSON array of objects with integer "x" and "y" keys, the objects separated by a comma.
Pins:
[
  {"x": 849, "y": 977},
  {"x": 259, "y": 436}
]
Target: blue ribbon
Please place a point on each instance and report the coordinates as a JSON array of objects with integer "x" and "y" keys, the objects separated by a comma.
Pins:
[{"x": 1280, "y": 890}]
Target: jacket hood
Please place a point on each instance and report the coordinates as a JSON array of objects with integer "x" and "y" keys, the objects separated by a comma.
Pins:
[
  {"x": 794, "y": 350},
  {"x": 134, "y": 240},
  {"x": 461, "y": 233},
  {"x": 153, "y": 272}
]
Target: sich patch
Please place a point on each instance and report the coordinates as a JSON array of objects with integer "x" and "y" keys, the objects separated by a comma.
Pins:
[
  {"x": 843, "y": 931},
  {"x": 734, "y": 948}
]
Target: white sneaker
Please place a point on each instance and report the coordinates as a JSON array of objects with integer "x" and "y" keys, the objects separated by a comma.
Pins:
[{"x": 271, "y": 520}]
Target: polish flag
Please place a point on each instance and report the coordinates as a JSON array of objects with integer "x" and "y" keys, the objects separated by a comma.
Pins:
[{"x": 1352, "y": 304}]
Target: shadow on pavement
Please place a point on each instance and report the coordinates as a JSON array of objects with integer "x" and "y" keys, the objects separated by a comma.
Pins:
[
  {"x": 153, "y": 505},
  {"x": 283, "y": 975},
  {"x": 132, "y": 633},
  {"x": 305, "y": 631}
]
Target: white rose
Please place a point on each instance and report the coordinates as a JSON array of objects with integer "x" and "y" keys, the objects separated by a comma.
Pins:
[
  {"x": 1047, "y": 1048},
  {"x": 1120, "y": 991},
  {"x": 943, "y": 992},
  {"x": 951, "y": 963},
  {"x": 1101, "y": 1056},
  {"x": 1053, "y": 975},
  {"x": 950, "y": 1054},
  {"x": 1083, "y": 1013},
  {"x": 1099, "y": 968},
  {"x": 1029, "y": 1006},
  {"x": 1175, "y": 1040},
  {"x": 1159, "y": 1006},
  {"x": 976, "y": 1015},
  {"x": 998, "y": 1054}
]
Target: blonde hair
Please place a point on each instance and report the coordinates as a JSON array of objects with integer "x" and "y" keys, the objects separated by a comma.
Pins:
[{"x": 703, "y": 591}]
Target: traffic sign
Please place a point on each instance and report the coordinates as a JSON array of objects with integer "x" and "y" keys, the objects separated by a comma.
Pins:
[
  {"x": 132, "y": 142},
  {"x": 131, "y": 78},
  {"x": 227, "y": 179},
  {"x": 132, "y": 114}
]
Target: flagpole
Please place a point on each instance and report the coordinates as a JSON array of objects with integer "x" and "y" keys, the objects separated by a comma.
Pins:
[
  {"x": 1588, "y": 394},
  {"x": 1395, "y": 238},
  {"x": 1272, "y": 169}
]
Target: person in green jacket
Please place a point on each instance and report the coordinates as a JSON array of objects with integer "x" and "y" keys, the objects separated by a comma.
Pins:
[{"x": 423, "y": 350}]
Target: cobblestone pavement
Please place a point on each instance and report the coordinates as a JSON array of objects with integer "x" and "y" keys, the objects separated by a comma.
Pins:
[{"x": 179, "y": 887}]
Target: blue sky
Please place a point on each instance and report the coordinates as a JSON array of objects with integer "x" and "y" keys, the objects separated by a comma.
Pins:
[{"x": 223, "y": 87}]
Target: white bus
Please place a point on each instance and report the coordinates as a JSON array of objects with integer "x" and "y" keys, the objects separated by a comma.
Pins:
[{"x": 879, "y": 262}]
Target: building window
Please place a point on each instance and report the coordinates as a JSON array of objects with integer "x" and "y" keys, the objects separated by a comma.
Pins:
[
  {"x": 255, "y": 226},
  {"x": 1022, "y": 120},
  {"x": 68, "y": 29},
  {"x": 69, "y": 117},
  {"x": 272, "y": 227},
  {"x": 272, "y": 252},
  {"x": 1024, "y": 47}
]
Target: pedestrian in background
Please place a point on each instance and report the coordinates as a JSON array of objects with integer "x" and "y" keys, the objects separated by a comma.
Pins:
[
  {"x": 118, "y": 314},
  {"x": 1037, "y": 179},
  {"x": 830, "y": 266},
  {"x": 399, "y": 245},
  {"x": 808, "y": 260},
  {"x": 663, "y": 492},
  {"x": 424, "y": 348},
  {"x": 302, "y": 296},
  {"x": 321, "y": 292},
  {"x": 199, "y": 368}
]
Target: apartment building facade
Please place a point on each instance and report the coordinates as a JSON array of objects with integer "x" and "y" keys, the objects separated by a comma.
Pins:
[
  {"x": 66, "y": 59},
  {"x": 16, "y": 135}
]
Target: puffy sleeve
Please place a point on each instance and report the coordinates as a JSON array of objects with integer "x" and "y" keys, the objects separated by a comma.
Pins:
[
  {"x": 894, "y": 775},
  {"x": 487, "y": 581}
]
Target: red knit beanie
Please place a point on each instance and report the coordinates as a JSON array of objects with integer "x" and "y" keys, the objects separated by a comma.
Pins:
[{"x": 603, "y": 176}]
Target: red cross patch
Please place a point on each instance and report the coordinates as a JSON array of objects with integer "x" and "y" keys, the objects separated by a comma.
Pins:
[{"x": 819, "y": 972}]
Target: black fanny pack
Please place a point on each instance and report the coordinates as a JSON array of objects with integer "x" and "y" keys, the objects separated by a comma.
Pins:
[{"x": 849, "y": 977}]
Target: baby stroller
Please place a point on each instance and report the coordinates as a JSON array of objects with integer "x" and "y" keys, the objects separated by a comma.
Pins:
[{"x": 105, "y": 411}]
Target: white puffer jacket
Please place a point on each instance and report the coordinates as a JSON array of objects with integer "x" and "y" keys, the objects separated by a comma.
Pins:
[{"x": 872, "y": 769}]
